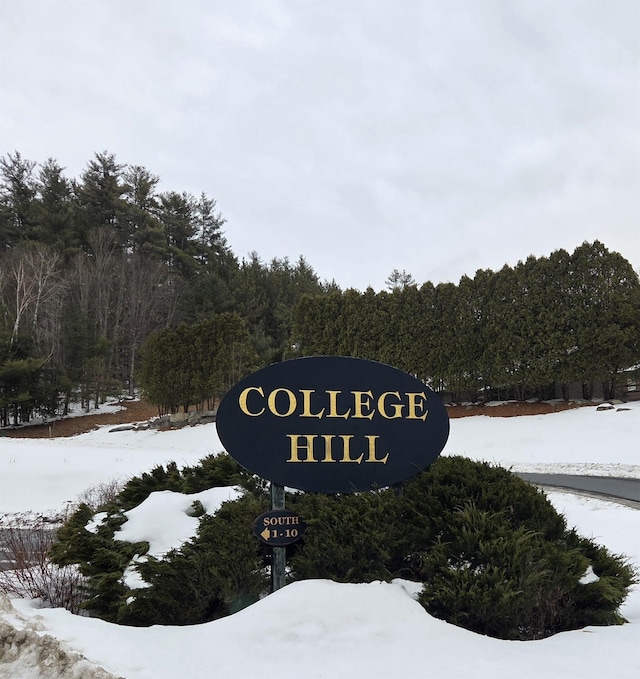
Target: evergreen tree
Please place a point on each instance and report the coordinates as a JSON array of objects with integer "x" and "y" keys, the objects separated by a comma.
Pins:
[
  {"x": 398, "y": 280},
  {"x": 17, "y": 193},
  {"x": 266, "y": 296},
  {"x": 317, "y": 325},
  {"x": 444, "y": 353},
  {"x": 22, "y": 390},
  {"x": 604, "y": 316},
  {"x": 426, "y": 329},
  {"x": 99, "y": 196},
  {"x": 177, "y": 214},
  {"x": 209, "y": 223},
  {"x": 196, "y": 364},
  {"x": 405, "y": 336},
  {"x": 146, "y": 232},
  {"x": 55, "y": 208}
]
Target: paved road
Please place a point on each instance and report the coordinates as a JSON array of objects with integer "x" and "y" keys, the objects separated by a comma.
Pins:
[{"x": 626, "y": 489}]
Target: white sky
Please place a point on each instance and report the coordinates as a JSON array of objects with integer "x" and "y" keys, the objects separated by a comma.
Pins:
[{"x": 436, "y": 136}]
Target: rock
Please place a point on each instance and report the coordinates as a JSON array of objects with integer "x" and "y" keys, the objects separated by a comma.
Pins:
[{"x": 172, "y": 421}]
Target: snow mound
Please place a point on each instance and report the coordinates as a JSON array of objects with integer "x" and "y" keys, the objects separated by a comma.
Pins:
[{"x": 27, "y": 654}]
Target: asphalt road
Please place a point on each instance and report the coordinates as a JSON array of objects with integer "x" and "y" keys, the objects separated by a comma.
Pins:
[{"x": 625, "y": 489}]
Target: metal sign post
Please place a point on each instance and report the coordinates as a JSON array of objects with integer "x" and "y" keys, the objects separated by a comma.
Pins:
[{"x": 278, "y": 554}]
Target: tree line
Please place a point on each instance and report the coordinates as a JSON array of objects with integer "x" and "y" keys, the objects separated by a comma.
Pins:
[
  {"x": 108, "y": 284},
  {"x": 90, "y": 267},
  {"x": 520, "y": 332}
]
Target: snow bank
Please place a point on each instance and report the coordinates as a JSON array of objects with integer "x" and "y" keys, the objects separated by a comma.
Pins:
[{"x": 29, "y": 654}]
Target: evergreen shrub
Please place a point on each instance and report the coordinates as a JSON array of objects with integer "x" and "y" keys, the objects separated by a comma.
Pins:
[
  {"x": 214, "y": 574},
  {"x": 492, "y": 553},
  {"x": 182, "y": 588}
]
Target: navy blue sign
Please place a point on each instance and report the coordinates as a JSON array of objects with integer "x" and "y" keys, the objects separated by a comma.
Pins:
[
  {"x": 332, "y": 424},
  {"x": 279, "y": 527}
]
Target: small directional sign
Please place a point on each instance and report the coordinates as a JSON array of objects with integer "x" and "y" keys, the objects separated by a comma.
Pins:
[{"x": 279, "y": 527}]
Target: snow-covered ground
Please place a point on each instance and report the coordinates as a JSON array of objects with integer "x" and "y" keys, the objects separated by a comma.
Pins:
[{"x": 320, "y": 629}]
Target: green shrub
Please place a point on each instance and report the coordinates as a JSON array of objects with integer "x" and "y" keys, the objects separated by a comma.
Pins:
[
  {"x": 102, "y": 558},
  {"x": 214, "y": 574},
  {"x": 349, "y": 538},
  {"x": 212, "y": 471},
  {"x": 492, "y": 553}
]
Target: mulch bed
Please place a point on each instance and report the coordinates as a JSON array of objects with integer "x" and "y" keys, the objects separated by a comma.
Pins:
[
  {"x": 130, "y": 411},
  {"x": 140, "y": 411},
  {"x": 512, "y": 408}
]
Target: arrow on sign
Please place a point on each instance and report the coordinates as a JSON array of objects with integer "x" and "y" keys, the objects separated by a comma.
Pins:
[{"x": 279, "y": 527}]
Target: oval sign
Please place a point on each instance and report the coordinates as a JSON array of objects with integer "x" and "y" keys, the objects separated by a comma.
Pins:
[
  {"x": 279, "y": 527},
  {"x": 332, "y": 424}
]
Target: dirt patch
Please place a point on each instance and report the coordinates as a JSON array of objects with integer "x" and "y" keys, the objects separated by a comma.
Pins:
[
  {"x": 512, "y": 408},
  {"x": 141, "y": 411},
  {"x": 129, "y": 411}
]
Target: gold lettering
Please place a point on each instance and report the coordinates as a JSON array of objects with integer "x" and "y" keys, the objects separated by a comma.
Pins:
[
  {"x": 327, "y": 448},
  {"x": 283, "y": 402},
  {"x": 416, "y": 403},
  {"x": 242, "y": 401},
  {"x": 333, "y": 405},
  {"x": 359, "y": 403},
  {"x": 372, "y": 450},
  {"x": 306, "y": 404},
  {"x": 346, "y": 449},
  {"x": 296, "y": 447},
  {"x": 272, "y": 402},
  {"x": 397, "y": 407}
]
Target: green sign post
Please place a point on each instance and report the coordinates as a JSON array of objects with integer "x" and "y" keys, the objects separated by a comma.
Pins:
[{"x": 278, "y": 554}]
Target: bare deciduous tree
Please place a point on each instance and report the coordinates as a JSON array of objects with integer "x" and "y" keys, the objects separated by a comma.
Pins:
[
  {"x": 34, "y": 283},
  {"x": 150, "y": 305}
]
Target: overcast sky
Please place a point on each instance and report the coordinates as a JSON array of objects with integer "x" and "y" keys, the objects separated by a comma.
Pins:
[{"x": 438, "y": 137}]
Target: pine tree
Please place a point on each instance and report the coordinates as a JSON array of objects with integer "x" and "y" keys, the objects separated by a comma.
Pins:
[
  {"x": 56, "y": 213},
  {"x": 99, "y": 196},
  {"x": 146, "y": 232},
  {"x": 17, "y": 194}
]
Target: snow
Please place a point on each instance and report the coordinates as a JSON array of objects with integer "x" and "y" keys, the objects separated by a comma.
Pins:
[
  {"x": 171, "y": 511},
  {"x": 589, "y": 576},
  {"x": 580, "y": 441},
  {"x": 317, "y": 629}
]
